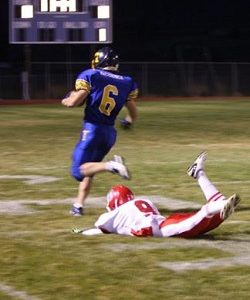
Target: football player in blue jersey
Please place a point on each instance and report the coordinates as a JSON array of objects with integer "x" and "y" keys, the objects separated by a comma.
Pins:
[{"x": 104, "y": 91}]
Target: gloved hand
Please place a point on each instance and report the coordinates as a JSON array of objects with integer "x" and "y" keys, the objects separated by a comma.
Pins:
[
  {"x": 125, "y": 124},
  {"x": 77, "y": 230}
]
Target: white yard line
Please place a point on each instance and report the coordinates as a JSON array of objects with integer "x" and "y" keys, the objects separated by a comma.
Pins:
[
  {"x": 21, "y": 207},
  {"x": 238, "y": 246},
  {"x": 10, "y": 291},
  {"x": 31, "y": 179}
]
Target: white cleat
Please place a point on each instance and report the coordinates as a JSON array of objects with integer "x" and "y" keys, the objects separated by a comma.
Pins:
[
  {"x": 197, "y": 165},
  {"x": 229, "y": 206},
  {"x": 119, "y": 167}
]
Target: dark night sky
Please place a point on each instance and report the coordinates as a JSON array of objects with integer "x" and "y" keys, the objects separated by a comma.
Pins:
[{"x": 159, "y": 30}]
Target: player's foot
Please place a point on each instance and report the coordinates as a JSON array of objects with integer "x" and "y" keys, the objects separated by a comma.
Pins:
[
  {"x": 118, "y": 166},
  {"x": 76, "y": 211},
  {"x": 197, "y": 165},
  {"x": 229, "y": 206}
]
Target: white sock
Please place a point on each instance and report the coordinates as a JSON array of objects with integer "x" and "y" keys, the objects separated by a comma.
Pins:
[
  {"x": 213, "y": 207},
  {"x": 112, "y": 165},
  {"x": 209, "y": 190},
  {"x": 109, "y": 165},
  {"x": 77, "y": 205}
]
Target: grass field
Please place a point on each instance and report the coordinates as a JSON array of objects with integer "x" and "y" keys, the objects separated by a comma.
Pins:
[{"x": 41, "y": 259}]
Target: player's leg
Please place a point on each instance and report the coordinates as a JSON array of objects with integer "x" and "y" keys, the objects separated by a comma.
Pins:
[
  {"x": 116, "y": 166},
  {"x": 197, "y": 171},
  {"x": 217, "y": 202},
  {"x": 83, "y": 191},
  {"x": 87, "y": 161},
  {"x": 84, "y": 152},
  {"x": 97, "y": 145},
  {"x": 218, "y": 211},
  {"x": 87, "y": 171},
  {"x": 90, "y": 231},
  {"x": 189, "y": 225},
  {"x": 228, "y": 208},
  {"x": 211, "y": 193}
]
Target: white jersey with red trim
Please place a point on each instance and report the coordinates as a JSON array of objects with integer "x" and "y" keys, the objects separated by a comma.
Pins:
[{"x": 138, "y": 217}]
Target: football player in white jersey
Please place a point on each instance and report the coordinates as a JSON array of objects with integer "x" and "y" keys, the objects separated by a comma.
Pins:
[{"x": 132, "y": 216}]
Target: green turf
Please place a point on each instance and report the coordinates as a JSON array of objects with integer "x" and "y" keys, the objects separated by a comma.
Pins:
[{"x": 40, "y": 256}]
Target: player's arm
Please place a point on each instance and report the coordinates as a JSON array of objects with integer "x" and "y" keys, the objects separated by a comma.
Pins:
[
  {"x": 91, "y": 231},
  {"x": 75, "y": 98},
  {"x": 131, "y": 117},
  {"x": 131, "y": 107},
  {"x": 132, "y": 111}
]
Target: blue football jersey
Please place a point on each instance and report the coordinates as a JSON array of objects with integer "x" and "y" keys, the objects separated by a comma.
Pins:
[{"x": 108, "y": 93}]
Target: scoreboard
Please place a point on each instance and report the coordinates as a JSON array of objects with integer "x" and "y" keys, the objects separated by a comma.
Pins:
[{"x": 60, "y": 21}]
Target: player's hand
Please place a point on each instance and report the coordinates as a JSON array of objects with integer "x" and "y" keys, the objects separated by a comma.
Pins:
[
  {"x": 73, "y": 99},
  {"x": 125, "y": 124},
  {"x": 65, "y": 99},
  {"x": 77, "y": 230}
]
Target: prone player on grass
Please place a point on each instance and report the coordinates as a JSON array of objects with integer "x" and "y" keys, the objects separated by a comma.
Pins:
[{"x": 132, "y": 216}]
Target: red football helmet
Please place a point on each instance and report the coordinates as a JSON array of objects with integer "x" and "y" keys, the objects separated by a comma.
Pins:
[{"x": 118, "y": 195}]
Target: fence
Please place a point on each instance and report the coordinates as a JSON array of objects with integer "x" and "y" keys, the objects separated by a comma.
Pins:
[{"x": 54, "y": 79}]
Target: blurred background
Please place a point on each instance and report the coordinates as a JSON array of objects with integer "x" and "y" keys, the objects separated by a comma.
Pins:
[{"x": 171, "y": 48}]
